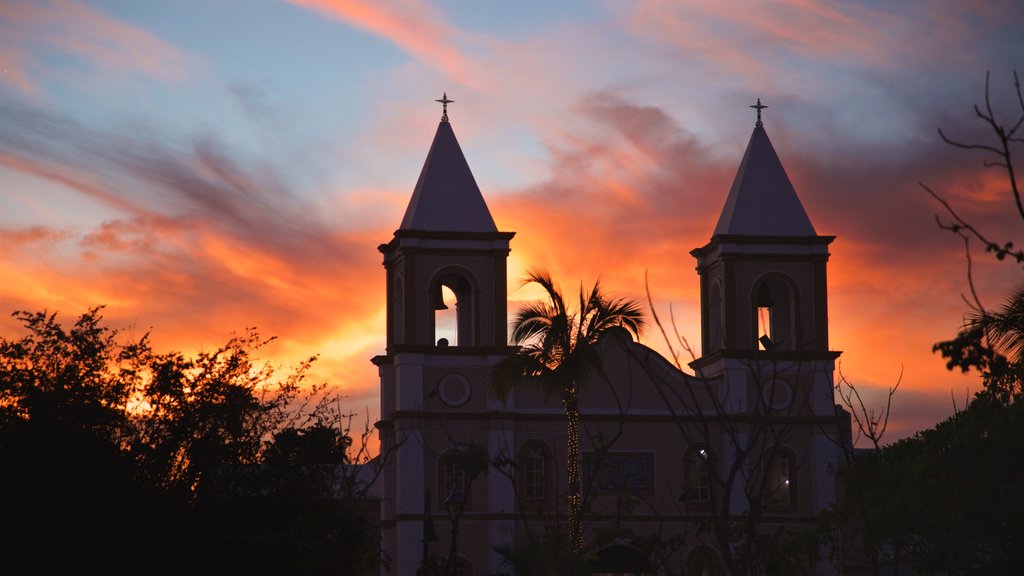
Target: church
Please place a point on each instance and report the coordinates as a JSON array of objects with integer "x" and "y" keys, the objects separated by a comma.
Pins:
[{"x": 676, "y": 460}]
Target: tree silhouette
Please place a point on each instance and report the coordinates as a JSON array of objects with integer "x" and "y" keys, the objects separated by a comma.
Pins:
[
  {"x": 753, "y": 438},
  {"x": 558, "y": 350},
  {"x": 950, "y": 499},
  {"x": 115, "y": 458}
]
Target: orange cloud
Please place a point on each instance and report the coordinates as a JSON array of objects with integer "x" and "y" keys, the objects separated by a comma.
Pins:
[
  {"x": 634, "y": 192},
  {"x": 748, "y": 39},
  {"x": 763, "y": 42},
  {"x": 204, "y": 244}
]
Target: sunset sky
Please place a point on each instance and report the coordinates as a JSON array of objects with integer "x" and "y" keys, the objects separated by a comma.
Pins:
[{"x": 203, "y": 167}]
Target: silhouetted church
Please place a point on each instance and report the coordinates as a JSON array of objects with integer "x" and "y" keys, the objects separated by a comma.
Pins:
[{"x": 753, "y": 430}]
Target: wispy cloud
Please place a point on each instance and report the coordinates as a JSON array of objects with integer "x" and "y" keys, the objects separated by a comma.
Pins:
[
  {"x": 635, "y": 191},
  {"x": 414, "y": 26},
  {"x": 32, "y": 32},
  {"x": 205, "y": 244}
]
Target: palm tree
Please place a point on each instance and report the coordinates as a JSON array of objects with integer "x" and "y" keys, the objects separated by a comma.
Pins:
[
  {"x": 558, "y": 350},
  {"x": 993, "y": 342},
  {"x": 1004, "y": 328}
]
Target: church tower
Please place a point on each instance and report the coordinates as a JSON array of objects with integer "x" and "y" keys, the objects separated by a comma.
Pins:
[
  {"x": 446, "y": 326},
  {"x": 764, "y": 302}
]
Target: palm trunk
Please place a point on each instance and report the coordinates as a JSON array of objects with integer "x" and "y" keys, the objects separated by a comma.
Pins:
[{"x": 572, "y": 454}]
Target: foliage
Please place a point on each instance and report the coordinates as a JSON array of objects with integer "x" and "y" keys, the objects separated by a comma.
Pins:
[
  {"x": 558, "y": 350},
  {"x": 117, "y": 458},
  {"x": 992, "y": 343},
  {"x": 950, "y": 500},
  {"x": 548, "y": 553},
  {"x": 746, "y": 542}
]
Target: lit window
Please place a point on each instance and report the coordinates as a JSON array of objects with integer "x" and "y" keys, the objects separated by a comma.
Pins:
[
  {"x": 764, "y": 327},
  {"x": 775, "y": 315},
  {"x": 780, "y": 488},
  {"x": 446, "y": 330},
  {"x": 698, "y": 475}
]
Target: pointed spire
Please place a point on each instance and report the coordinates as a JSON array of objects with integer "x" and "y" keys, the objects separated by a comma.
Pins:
[
  {"x": 446, "y": 198},
  {"x": 762, "y": 201}
]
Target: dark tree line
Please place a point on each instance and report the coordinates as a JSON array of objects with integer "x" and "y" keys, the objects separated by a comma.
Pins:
[
  {"x": 950, "y": 500},
  {"x": 117, "y": 459}
]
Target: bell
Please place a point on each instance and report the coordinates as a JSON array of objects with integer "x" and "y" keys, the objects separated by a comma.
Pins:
[{"x": 439, "y": 299}]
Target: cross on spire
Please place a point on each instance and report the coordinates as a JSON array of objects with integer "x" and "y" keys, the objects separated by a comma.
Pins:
[
  {"x": 444, "y": 106},
  {"x": 757, "y": 107}
]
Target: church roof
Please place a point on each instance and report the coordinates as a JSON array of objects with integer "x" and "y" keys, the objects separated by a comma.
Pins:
[
  {"x": 446, "y": 198},
  {"x": 762, "y": 201}
]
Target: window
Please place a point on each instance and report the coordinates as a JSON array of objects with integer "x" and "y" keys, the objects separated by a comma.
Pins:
[
  {"x": 398, "y": 312},
  {"x": 533, "y": 468},
  {"x": 774, "y": 315},
  {"x": 697, "y": 471},
  {"x": 780, "y": 479},
  {"x": 617, "y": 472},
  {"x": 446, "y": 331},
  {"x": 764, "y": 327},
  {"x": 452, "y": 301},
  {"x": 713, "y": 316},
  {"x": 452, "y": 481}
]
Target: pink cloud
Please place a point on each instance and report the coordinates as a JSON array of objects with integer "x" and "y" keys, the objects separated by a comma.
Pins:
[
  {"x": 204, "y": 244},
  {"x": 30, "y": 29},
  {"x": 634, "y": 192},
  {"x": 765, "y": 40},
  {"x": 414, "y": 26}
]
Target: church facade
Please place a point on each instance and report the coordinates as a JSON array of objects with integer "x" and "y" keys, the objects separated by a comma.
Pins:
[{"x": 674, "y": 458}]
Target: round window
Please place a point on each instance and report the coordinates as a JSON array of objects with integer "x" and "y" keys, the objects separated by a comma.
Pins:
[
  {"x": 777, "y": 393},
  {"x": 454, "y": 389}
]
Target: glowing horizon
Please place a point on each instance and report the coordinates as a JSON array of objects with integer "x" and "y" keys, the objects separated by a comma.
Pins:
[{"x": 171, "y": 163}]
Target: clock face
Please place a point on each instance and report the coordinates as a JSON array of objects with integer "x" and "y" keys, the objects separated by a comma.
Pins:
[{"x": 777, "y": 393}]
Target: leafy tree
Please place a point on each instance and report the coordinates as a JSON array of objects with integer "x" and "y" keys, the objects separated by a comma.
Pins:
[
  {"x": 63, "y": 422},
  {"x": 203, "y": 414},
  {"x": 558, "y": 350},
  {"x": 116, "y": 458}
]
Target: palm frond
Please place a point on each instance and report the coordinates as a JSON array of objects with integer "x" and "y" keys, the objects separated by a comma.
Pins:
[{"x": 1005, "y": 327}]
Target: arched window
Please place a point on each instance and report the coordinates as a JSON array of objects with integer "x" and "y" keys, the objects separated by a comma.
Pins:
[
  {"x": 398, "y": 311},
  {"x": 697, "y": 473},
  {"x": 446, "y": 319},
  {"x": 780, "y": 483},
  {"x": 774, "y": 310},
  {"x": 534, "y": 471},
  {"x": 452, "y": 296},
  {"x": 713, "y": 315}
]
